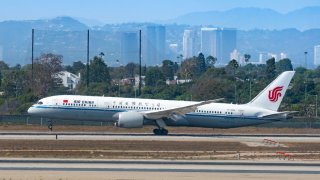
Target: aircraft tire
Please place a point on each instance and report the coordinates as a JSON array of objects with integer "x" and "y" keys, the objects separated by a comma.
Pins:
[{"x": 160, "y": 132}]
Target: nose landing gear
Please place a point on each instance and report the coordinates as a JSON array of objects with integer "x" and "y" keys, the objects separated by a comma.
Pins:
[{"x": 50, "y": 125}]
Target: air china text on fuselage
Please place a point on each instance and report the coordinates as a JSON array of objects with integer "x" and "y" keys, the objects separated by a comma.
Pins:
[{"x": 135, "y": 112}]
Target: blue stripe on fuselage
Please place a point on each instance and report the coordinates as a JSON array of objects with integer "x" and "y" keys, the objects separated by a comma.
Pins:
[{"x": 192, "y": 114}]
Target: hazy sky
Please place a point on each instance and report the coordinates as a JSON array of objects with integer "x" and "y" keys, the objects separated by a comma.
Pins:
[{"x": 116, "y": 11}]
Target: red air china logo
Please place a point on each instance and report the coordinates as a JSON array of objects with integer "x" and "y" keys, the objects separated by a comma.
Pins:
[
  {"x": 65, "y": 101},
  {"x": 275, "y": 93}
]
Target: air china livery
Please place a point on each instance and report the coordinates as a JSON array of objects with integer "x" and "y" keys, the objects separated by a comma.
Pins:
[{"x": 134, "y": 112}]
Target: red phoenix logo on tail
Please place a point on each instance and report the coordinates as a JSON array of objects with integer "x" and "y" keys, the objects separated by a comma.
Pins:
[{"x": 275, "y": 93}]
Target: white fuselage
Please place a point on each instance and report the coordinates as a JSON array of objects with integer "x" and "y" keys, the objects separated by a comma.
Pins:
[{"x": 94, "y": 108}]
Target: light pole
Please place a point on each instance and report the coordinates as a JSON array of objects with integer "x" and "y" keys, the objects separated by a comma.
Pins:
[
  {"x": 305, "y": 59},
  {"x": 316, "y": 105},
  {"x": 249, "y": 88},
  {"x": 118, "y": 62},
  {"x": 305, "y": 97}
]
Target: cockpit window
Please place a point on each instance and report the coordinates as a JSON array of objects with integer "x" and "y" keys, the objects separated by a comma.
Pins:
[{"x": 40, "y": 102}]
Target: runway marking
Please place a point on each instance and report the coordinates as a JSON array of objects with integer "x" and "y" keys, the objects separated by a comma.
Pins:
[
  {"x": 160, "y": 166},
  {"x": 160, "y": 170}
]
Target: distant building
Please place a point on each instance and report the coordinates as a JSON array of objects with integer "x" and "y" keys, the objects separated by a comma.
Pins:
[
  {"x": 219, "y": 43},
  {"x": 154, "y": 45},
  {"x": 283, "y": 55},
  {"x": 177, "y": 81},
  {"x": 275, "y": 56},
  {"x": 173, "y": 51},
  {"x": 129, "y": 47},
  {"x": 316, "y": 55},
  {"x": 264, "y": 56},
  {"x": 69, "y": 80},
  {"x": 137, "y": 80},
  {"x": 188, "y": 44},
  {"x": 235, "y": 55}
]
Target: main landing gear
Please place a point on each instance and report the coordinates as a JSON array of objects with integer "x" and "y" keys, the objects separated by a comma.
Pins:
[
  {"x": 160, "y": 131},
  {"x": 161, "y": 128}
]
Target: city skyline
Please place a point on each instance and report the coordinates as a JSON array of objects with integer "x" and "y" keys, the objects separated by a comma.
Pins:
[{"x": 120, "y": 11}]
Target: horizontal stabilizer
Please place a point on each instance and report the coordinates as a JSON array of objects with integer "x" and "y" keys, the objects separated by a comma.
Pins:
[{"x": 280, "y": 115}]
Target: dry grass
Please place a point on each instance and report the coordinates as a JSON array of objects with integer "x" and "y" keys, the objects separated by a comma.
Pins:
[{"x": 150, "y": 149}]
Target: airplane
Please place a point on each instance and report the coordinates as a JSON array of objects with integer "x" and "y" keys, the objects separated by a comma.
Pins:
[{"x": 136, "y": 112}]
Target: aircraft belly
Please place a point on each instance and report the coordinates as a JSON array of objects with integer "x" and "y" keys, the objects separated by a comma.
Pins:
[
  {"x": 83, "y": 115},
  {"x": 222, "y": 121}
]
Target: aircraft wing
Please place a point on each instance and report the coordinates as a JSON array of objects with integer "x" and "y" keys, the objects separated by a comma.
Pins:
[{"x": 179, "y": 110}]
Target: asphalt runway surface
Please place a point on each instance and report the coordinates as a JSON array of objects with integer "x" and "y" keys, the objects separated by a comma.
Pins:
[
  {"x": 146, "y": 169},
  {"x": 314, "y": 138},
  {"x": 78, "y": 169}
]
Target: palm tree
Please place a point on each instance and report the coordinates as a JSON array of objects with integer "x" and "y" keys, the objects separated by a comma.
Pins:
[{"x": 247, "y": 57}]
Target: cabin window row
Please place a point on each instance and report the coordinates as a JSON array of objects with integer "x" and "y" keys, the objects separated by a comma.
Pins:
[
  {"x": 134, "y": 107},
  {"x": 211, "y": 112},
  {"x": 79, "y": 105}
]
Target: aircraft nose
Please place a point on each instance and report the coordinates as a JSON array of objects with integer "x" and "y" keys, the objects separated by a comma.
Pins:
[{"x": 31, "y": 110}]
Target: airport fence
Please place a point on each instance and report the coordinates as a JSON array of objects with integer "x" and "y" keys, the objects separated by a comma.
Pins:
[
  {"x": 298, "y": 122},
  {"x": 28, "y": 120}
]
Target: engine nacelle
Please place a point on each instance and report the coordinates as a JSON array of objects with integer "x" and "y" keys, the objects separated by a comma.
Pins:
[{"x": 130, "y": 120}]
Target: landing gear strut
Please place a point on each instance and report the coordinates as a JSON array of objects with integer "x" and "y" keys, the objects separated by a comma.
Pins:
[
  {"x": 160, "y": 131},
  {"x": 161, "y": 128},
  {"x": 50, "y": 125}
]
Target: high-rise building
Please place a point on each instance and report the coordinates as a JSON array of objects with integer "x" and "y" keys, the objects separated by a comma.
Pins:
[
  {"x": 235, "y": 55},
  {"x": 209, "y": 41},
  {"x": 316, "y": 55},
  {"x": 263, "y": 57},
  {"x": 154, "y": 45},
  {"x": 129, "y": 50},
  {"x": 219, "y": 43},
  {"x": 188, "y": 44},
  {"x": 173, "y": 51}
]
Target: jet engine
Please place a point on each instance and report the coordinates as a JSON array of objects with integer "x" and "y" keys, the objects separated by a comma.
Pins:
[{"x": 129, "y": 120}]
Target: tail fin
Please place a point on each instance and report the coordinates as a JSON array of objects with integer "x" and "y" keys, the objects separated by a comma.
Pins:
[{"x": 271, "y": 97}]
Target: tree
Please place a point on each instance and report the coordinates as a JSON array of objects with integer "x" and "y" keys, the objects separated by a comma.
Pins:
[
  {"x": 284, "y": 65},
  {"x": 201, "y": 65},
  {"x": 168, "y": 69},
  {"x": 188, "y": 68},
  {"x": 99, "y": 71},
  {"x": 233, "y": 65},
  {"x": 247, "y": 57},
  {"x": 130, "y": 67},
  {"x": 211, "y": 61},
  {"x": 78, "y": 66},
  {"x": 3, "y": 66},
  {"x": 271, "y": 68},
  {"x": 212, "y": 84},
  {"x": 45, "y": 69},
  {"x": 154, "y": 75}
]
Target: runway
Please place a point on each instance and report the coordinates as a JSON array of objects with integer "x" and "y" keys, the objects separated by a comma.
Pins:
[
  {"x": 314, "y": 138},
  {"x": 147, "y": 168},
  {"x": 104, "y": 148}
]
